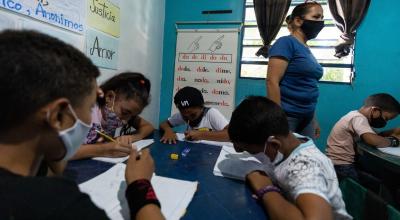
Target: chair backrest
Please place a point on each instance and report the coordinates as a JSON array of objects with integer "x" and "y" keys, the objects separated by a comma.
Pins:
[{"x": 363, "y": 204}]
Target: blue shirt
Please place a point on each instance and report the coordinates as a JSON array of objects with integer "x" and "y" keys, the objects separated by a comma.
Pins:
[{"x": 299, "y": 85}]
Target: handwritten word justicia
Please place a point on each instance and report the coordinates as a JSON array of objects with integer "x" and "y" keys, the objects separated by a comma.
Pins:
[{"x": 102, "y": 10}]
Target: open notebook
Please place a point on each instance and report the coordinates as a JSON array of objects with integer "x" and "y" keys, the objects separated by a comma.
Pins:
[
  {"x": 139, "y": 145},
  {"x": 390, "y": 150},
  {"x": 181, "y": 137},
  {"x": 107, "y": 191},
  {"x": 232, "y": 164}
]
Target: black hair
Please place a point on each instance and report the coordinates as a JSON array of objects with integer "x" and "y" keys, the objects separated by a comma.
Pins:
[
  {"x": 255, "y": 119},
  {"x": 129, "y": 84},
  {"x": 300, "y": 11},
  {"x": 383, "y": 101},
  {"x": 37, "y": 69}
]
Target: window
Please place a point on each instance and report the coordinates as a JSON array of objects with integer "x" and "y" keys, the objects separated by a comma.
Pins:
[{"x": 323, "y": 47}]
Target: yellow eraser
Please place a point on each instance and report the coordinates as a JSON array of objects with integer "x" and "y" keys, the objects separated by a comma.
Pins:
[
  {"x": 203, "y": 129},
  {"x": 174, "y": 156}
]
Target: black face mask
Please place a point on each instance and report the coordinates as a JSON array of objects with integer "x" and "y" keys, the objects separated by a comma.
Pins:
[
  {"x": 378, "y": 122},
  {"x": 312, "y": 28},
  {"x": 197, "y": 121}
]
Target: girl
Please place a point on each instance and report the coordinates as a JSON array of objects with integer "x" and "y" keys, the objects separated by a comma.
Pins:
[{"x": 125, "y": 96}]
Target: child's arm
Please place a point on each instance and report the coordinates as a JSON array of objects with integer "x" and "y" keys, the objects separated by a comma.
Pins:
[
  {"x": 109, "y": 149},
  {"x": 143, "y": 128},
  {"x": 169, "y": 134},
  {"x": 375, "y": 140},
  {"x": 208, "y": 135},
  {"x": 306, "y": 206}
]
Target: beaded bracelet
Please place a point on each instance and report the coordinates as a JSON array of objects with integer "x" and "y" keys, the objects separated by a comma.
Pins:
[{"x": 266, "y": 189}]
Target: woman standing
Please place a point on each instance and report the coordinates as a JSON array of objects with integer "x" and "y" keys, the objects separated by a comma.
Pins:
[{"x": 293, "y": 71}]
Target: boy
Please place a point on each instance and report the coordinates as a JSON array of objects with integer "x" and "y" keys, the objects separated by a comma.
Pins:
[
  {"x": 358, "y": 125},
  {"x": 50, "y": 88},
  {"x": 202, "y": 123},
  {"x": 305, "y": 175}
]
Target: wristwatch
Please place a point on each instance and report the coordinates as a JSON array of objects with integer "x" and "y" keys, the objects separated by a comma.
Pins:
[
  {"x": 394, "y": 141},
  {"x": 266, "y": 189}
]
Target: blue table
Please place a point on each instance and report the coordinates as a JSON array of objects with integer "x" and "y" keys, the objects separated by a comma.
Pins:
[{"x": 216, "y": 198}]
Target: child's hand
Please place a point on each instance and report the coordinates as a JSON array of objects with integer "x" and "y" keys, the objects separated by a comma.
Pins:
[
  {"x": 194, "y": 135},
  {"x": 115, "y": 149},
  {"x": 169, "y": 137},
  {"x": 258, "y": 180},
  {"x": 127, "y": 139},
  {"x": 139, "y": 167}
]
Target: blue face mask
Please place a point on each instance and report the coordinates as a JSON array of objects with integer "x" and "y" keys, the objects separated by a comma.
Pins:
[{"x": 73, "y": 137}]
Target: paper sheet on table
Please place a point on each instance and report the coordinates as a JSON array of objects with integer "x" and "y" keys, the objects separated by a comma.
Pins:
[
  {"x": 107, "y": 191},
  {"x": 232, "y": 164},
  {"x": 390, "y": 150},
  {"x": 181, "y": 137},
  {"x": 139, "y": 144}
]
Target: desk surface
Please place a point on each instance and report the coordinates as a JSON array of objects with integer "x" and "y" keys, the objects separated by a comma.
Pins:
[
  {"x": 216, "y": 197},
  {"x": 387, "y": 159}
]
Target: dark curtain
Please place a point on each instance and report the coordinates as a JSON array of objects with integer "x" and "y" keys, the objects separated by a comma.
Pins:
[
  {"x": 348, "y": 15},
  {"x": 270, "y": 15}
]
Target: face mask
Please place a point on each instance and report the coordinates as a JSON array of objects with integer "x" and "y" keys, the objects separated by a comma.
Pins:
[
  {"x": 73, "y": 137},
  {"x": 312, "y": 28},
  {"x": 196, "y": 122},
  {"x": 378, "y": 122}
]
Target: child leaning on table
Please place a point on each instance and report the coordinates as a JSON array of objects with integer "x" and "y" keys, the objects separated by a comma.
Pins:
[
  {"x": 203, "y": 123},
  {"x": 305, "y": 185},
  {"x": 358, "y": 125}
]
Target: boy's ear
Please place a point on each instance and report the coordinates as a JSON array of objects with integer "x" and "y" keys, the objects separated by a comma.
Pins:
[
  {"x": 274, "y": 143},
  {"x": 55, "y": 114}
]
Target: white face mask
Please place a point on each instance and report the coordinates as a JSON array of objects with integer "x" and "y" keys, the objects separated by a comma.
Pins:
[
  {"x": 73, "y": 137},
  {"x": 263, "y": 158}
]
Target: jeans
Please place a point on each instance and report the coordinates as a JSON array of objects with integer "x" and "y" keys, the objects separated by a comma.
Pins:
[
  {"x": 303, "y": 126},
  {"x": 346, "y": 170}
]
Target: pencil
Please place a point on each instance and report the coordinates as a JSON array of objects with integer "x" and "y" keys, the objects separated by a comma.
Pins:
[{"x": 106, "y": 136}]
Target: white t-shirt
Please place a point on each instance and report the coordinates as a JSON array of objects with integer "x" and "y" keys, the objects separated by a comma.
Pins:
[
  {"x": 213, "y": 120},
  {"x": 308, "y": 170}
]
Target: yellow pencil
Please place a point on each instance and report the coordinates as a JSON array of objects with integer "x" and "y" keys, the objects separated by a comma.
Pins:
[{"x": 106, "y": 136}]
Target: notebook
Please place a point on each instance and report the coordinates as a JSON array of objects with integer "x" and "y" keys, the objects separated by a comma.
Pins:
[
  {"x": 107, "y": 191},
  {"x": 139, "y": 145},
  {"x": 232, "y": 164},
  {"x": 395, "y": 151},
  {"x": 181, "y": 137}
]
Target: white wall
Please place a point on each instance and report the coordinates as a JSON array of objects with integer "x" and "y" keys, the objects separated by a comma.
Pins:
[
  {"x": 140, "y": 42},
  {"x": 141, "y": 47}
]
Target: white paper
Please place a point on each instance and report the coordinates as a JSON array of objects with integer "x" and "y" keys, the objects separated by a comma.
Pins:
[
  {"x": 232, "y": 164},
  {"x": 181, "y": 137},
  {"x": 107, "y": 191},
  {"x": 390, "y": 150},
  {"x": 139, "y": 146}
]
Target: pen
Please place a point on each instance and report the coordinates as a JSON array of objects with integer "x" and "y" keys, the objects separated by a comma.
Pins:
[{"x": 106, "y": 136}]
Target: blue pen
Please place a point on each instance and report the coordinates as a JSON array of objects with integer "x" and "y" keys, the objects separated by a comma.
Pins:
[{"x": 185, "y": 152}]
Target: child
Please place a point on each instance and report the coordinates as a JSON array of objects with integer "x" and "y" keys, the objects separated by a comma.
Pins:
[
  {"x": 305, "y": 175},
  {"x": 125, "y": 96},
  {"x": 358, "y": 125},
  {"x": 203, "y": 123},
  {"x": 50, "y": 88}
]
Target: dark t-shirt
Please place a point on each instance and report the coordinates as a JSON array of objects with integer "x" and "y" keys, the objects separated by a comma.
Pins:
[{"x": 44, "y": 198}]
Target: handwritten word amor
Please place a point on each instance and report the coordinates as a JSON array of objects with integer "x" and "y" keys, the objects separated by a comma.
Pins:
[{"x": 101, "y": 52}]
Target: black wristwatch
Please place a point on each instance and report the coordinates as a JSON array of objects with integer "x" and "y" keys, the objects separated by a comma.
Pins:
[{"x": 394, "y": 141}]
